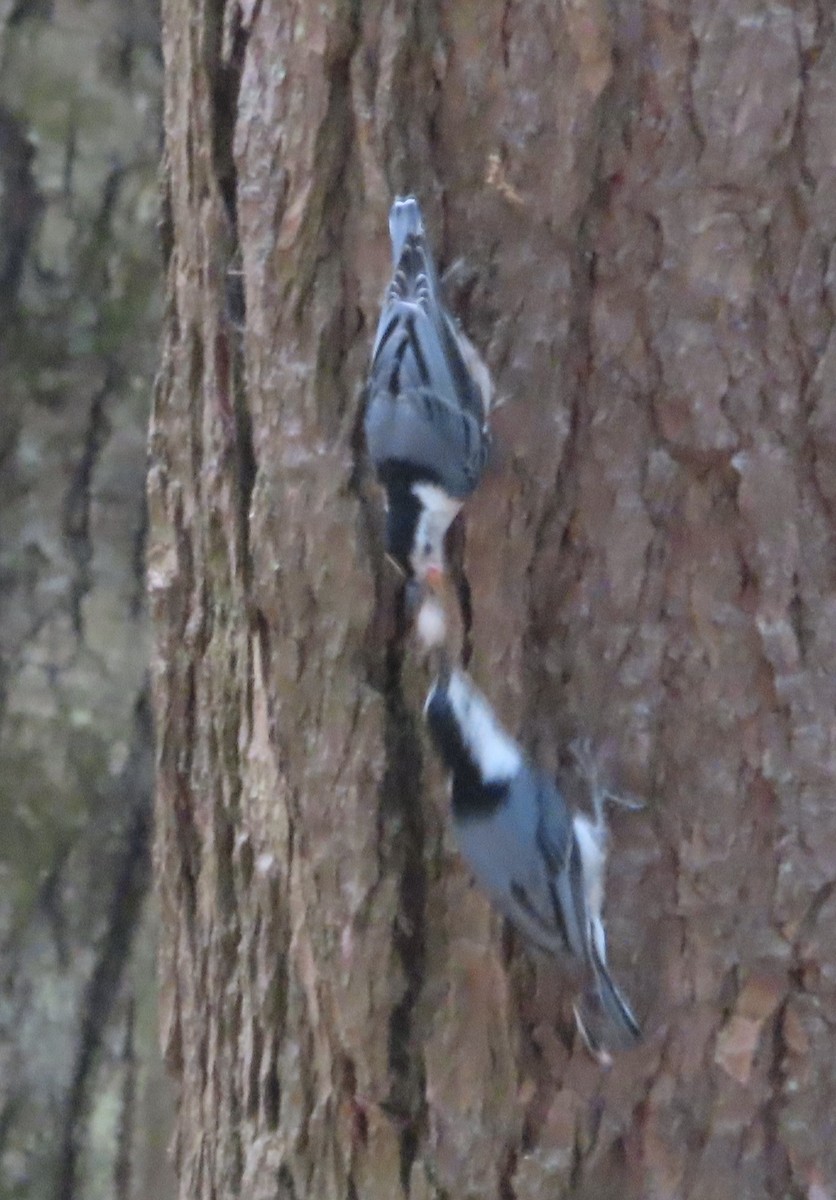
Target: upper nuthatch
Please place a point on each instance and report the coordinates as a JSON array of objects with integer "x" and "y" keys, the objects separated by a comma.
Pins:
[
  {"x": 428, "y": 399},
  {"x": 542, "y": 867}
]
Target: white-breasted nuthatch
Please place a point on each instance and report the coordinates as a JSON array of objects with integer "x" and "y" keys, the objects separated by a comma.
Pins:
[
  {"x": 542, "y": 867},
  {"x": 427, "y": 404}
]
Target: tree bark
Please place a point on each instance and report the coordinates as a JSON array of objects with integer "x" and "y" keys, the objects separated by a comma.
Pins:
[
  {"x": 84, "y": 1103},
  {"x": 643, "y": 201}
]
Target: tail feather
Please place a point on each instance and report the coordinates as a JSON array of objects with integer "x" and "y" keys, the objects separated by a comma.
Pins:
[
  {"x": 605, "y": 1017},
  {"x": 418, "y": 345},
  {"x": 616, "y": 1006},
  {"x": 404, "y": 219},
  {"x": 413, "y": 273}
]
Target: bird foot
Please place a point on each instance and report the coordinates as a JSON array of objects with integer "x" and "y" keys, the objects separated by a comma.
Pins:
[{"x": 587, "y": 763}]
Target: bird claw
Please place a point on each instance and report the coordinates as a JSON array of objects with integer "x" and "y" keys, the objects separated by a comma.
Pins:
[
  {"x": 458, "y": 275},
  {"x": 587, "y": 765},
  {"x": 595, "y": 1048},
  {"x": 631, "y": 803},
  {"x": 396, "y": 566}
]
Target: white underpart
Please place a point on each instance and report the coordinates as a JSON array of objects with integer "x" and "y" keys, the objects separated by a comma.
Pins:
[
  {"x": 436, "y": 502},
  {"x": 431, "y": 623},
  {"x": 497, "y": 756},
  {"x": 437, "y": 513},
  {"x": 592, "y": 843}
]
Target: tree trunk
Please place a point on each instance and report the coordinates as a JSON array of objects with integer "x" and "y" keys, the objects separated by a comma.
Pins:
[{"x": 644, "y": 202}]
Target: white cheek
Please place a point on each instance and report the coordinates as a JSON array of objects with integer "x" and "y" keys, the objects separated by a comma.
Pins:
[
  {"x": 424, "y": 536},
  {"x": 431, "y": 624}
]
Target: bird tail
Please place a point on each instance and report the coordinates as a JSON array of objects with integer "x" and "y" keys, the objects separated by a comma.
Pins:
[
  {"x": 445, "y": 359},
  {"x": 405, "y": 220},
  {"x": 605, "y": 1019},
  {"x": 412, "y": 285},
  {"x": 415, "y": 279}
]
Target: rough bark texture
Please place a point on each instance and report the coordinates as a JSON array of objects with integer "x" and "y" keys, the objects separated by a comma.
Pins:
[
  {"x": 83, "y": 1100},
  {"x": 643, "y": 196}
]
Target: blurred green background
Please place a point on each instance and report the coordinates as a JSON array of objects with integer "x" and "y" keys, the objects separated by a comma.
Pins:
[{"x": 85, "y": 1108}]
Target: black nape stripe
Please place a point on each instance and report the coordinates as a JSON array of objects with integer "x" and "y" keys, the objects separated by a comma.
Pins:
[{"x": 472, "y": 796}]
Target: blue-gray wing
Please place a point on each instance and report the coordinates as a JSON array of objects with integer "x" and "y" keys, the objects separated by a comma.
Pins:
[
  {"x": 420, "y": 427},
  {"x": 417, "y": 341},
  {"x": 559, "y": 848}
]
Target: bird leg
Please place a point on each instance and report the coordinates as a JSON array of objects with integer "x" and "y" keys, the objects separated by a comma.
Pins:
[{"x": 587, "y": 764}]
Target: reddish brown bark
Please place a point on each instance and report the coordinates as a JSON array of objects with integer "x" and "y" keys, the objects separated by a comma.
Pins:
[{"x": 643, "y": 198}]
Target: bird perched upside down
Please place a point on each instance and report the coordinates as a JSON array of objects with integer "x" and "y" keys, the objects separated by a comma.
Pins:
[
  {"x": 428, "y": 397},
  {"x": 542, "y": 867}
]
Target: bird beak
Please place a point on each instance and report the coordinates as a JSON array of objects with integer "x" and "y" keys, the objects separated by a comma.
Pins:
[{"x": 434, "y": 578}]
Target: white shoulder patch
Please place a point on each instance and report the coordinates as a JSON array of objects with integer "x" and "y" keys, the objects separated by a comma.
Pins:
[
  {"x": 496, "y": 754},
  {"x": 436, "y": 501}
]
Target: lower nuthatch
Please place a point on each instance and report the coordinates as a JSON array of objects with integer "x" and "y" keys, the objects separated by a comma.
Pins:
[{"x": 542, "y": 867}]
